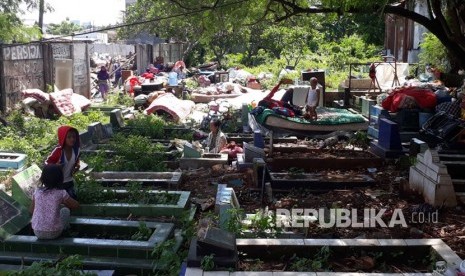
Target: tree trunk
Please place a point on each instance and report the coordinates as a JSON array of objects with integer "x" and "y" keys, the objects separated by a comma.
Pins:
[{"x": 41, "y": 15}]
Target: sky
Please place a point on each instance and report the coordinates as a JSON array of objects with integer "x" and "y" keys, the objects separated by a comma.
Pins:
[{"x": 99, "y": 12}]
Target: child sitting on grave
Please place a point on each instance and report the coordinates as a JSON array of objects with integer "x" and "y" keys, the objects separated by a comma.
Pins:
[
  {"x": 49, "y": 217},
  {"x": 66, "y": 154}
]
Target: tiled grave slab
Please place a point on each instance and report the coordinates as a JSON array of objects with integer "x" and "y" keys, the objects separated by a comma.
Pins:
[
  {"x": 11, "y": 160},
  {"x": 256, "y": 247},
  {"x": 92, "y": 246},
  {"x": 13, "y": 216},
  {"x": 310, "y": 159},
  {"x": 124, "y": 209},
  {"x": 122, "y": 266},
  {"x": 146, "y": 178},
  {"x": 24, "y": 185},
  {"x": 206, "y": 161},
  {"x": 319, "y": 181},
  {"x": 239, "y": 138}
]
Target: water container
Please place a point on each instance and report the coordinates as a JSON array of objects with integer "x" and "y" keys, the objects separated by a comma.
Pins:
[
  {"x": 172, "y": 79},
  {"x": 258, "y": 139}
]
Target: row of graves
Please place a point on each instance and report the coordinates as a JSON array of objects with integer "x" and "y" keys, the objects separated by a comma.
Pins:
[{"x": 117, "y": 233}]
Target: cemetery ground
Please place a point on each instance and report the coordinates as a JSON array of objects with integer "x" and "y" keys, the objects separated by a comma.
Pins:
[{"x": 135, "y": 149}]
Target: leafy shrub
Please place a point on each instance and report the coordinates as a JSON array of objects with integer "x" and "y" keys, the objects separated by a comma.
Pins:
[
  {"x": 71, "y": 266},
  {"x": 433, "y": 52},
  {"x": 151, "y": 126}
]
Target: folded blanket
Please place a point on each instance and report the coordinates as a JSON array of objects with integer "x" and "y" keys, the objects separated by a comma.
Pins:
[{"x": 178, "y": 109}]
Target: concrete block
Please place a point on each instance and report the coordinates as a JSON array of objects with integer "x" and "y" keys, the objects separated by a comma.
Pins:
[
  {"x": 361, "y": 242},
  {"x": 420, "y": 166},
  {"x": 438, "y": 168},
  {"x": 431, "y": 173},
  {"x": 444, "y": 179},
  {"x": 392, "y": 242},
  {"x": 389, "y": 136},
  {"x": 431, "y": 157},
  {"x": 439, "y": 195},
  {"x": 193, "y": 271},
  {"x": 415, "y": 179},
  {"x": 417, "y": 146},
  {"x": 216, "y": 273}
]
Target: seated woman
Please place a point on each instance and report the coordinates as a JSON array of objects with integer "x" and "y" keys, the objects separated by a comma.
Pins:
[
  {"x": 49, "y": 218},
  {"x": 216, "y": 139}
]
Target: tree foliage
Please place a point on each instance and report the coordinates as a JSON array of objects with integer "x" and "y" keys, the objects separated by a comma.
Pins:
[
  {"x": 11, "y": 27},
  {"x": 66, "y": 27},
  {"x": 445, "y": 18}
]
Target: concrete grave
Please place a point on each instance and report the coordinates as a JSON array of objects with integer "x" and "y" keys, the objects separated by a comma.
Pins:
[
  {"x": 109, "y": 178},
  {"x": 11, "y": 160},
  {"x": 389, "y": 143},
  {"x": 431, "y": 179},
  {"x": 284, "y": 158},
  {"x": 270, "y": 249},
  {"x": 107, "y": 131},
  {"x": 319, "y": 181},
  {"x": 13, "y": 216},
  {"x": 85, "y": 139},
  {"x": 207, "y": 160},
  {"x": 116, "y": 118},
  {"x": 225, "y": 200},
  {"x": 96, "y": 132},
  {"x": 251, "y": 152},
  {"x": 124, "y": 209},
  {"x": 24, "y": 184},
  {"x": 417, "y": 146},
  {"x": 97, "y": 241},
  {"x": 217, "y": 242}
]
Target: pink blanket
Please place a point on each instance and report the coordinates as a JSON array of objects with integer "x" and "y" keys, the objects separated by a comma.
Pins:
[{"x": 178, "y": 109}]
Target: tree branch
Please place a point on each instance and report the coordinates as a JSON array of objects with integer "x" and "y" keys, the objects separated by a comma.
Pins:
[
  {"x": 436, "y": 7},
  {"x": 178, "y": 3}
]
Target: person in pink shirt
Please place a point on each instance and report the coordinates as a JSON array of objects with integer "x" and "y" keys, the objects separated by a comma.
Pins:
[{"x": 49, "y": 216}]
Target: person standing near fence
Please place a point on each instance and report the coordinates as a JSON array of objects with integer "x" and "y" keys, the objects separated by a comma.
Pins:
[
  {"x": 103, "y": 78},
  {"x": 118, "y": 73}
]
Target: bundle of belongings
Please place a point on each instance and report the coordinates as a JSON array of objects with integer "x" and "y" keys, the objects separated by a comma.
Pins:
[
  {"x": 169, "y": 104},
  {"x": 44, "y": 105}
]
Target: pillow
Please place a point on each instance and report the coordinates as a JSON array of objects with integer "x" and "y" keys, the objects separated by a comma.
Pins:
[
  {"x": 36, "y": 94},
  {"x": 62, "y": 102}
]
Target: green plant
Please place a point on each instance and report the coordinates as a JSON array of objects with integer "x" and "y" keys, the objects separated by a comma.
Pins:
[
  {"x": 234, "y": 221},
  {"x": 433, "y": 52},
  {"x": 143, "y": 233},
  {"x": 296, "y": 173},
  {"x": 207, "y": 262},
  {"x": 263, "y": 224},
  {"x": 360, "y": 139},
  {"x": 316, "y": 263},
  {"x": 71, "y": 266},
  {"x": 257, "y": 265},
  {"x": 150, "y": 126},
  {"x": 120, "y": 99},
  {"x": 166, "y": 260}
]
